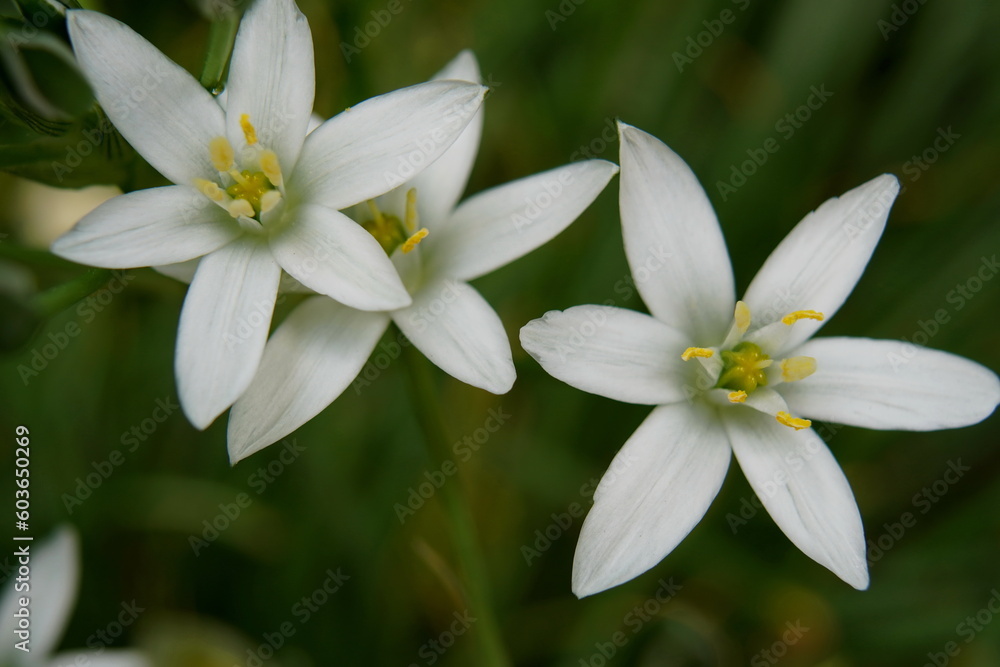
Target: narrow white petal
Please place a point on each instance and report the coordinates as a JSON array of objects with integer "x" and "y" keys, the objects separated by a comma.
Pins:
[
  {"x": 797, "y": 479},
  {"x": 383, "y": 142},
  {"x": 820, "y": 261},
  {"x": 613, "y": 352},
  {"x": 887, "y": 384},
  {"x": 156, "y": 226},
  {"x": 308, "y": 362},
  {"x": 272, "y": 79},
  {"x": 182, "y": 271},
  {"x": 461, "y": 333},
  {"x": 673, "y": 241},
  {"x": 156, "y": 105},
  {"x": 440, "y": 185},
  {"x": 55, "y": 576},
  {"x": 333, "y": 255},
  {"x": 495, "y": 227},
  {"x": 656, "y": 490},
  {"x": 223, "y": 328}
]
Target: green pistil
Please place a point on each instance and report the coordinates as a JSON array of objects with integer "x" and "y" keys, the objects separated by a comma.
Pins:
[
  {"x": 387, "y": 230},
  {"x": 250, "y": 186},
  {"x": 743, "y": 368}
]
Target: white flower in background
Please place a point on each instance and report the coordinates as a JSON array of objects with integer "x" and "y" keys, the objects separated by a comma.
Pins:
[
  {"x": 253, "y": 194},
  {"x": 739, "y": 376},
  {"x": 55, "y": 577},
  {"x": 438, "y": 247}
]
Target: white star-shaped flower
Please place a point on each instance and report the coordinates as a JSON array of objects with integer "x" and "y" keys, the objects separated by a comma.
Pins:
[
  {"x": 50, "y": 590},
  {"x": 254, "y": 195},
  {"x": 739, "y": 376},
  {"x": 438, "y": 245}
]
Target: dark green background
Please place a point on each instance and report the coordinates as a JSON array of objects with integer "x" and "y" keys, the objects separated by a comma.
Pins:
[{"x": 555, "y": 91}]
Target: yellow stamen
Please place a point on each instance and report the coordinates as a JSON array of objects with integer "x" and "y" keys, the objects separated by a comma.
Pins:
[
  {"x": 376, "y": 214},
  {"x": 742, "y": 317},
  {"x": 737, "y": 396},
  {"x": 240, "y": 178},
  {"x": 221, "y": 154},
  {"x": 792, "y": 318},
  {"x": 415, "y": 240},
  {"x": 702, "y": 352},
  {"x": 797, "y": 368},
  {"x": 269, "y": 200},
  {"x": 240, "y": 207},
  {"x": 248, "y": 129},
  {"x": 271, "y": 168},
  {"x": 786, "y": 419},
  {"x": 209, "y": 189},
  {"x": 411, "y": 209}
]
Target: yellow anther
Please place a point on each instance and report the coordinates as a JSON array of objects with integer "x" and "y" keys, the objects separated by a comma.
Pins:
[
  {"x": 742, "y": 317},
  {"x": 221, "y": 154},
  {"x": 248, "y": 129},
  {"x": 786, "y": 419},
  {"x": 209, "y": 189},
  {"x": 376, "y": 213},
  {"x": 792, "y": 318},
  {"x": 415, "y": 240},
  {"x": 797, "y": 368},
  {"x": 737, "y": 396},
  {"x": 240, "y": 207},
  {"x": 271, "y": 168},
  {"x": 702, "y": 352},
  {"x": 411, "y": 209},
  {"x": 269, "y": 200}
]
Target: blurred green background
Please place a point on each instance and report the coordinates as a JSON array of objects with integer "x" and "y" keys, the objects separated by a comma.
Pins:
[{"x": 915, "y": 91}]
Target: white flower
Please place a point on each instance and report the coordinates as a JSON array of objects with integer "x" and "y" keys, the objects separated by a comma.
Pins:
[
  {"x": 253, "y": 194},
  {"x": 438, "y": 247},
  {"x": 52, "y": 587},
  {"x": 739, "y": 376}
]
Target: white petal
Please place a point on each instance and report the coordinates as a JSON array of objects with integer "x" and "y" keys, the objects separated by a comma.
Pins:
[
  {"x": 147, "y": 227},
  {"x": 613, "y": 352},
  {"x": 797, "y": 479},
  {"x": 156, "y": 105},
  {"x": 656, "y": 490},
  {"x": 460, "y": 332},
  {"x": 223, "y": 328},
  {"x": 333, "y": 255},
  {"x": 55, "y": 576},
  {"x": 673, "y": 241},
  {"x": 820, "y": 261},
  {"x": 272, "y": 79},
  {"x": 440, "y": 185},
  {"x": 371, "y": 148},
  {"x": 311, "y": 358},
  {"x": 182, "y": 271},
  {"x": 495, "y": 227},
  {"x": 887, "y": 384},
  {"x": 106, "y": 658}
]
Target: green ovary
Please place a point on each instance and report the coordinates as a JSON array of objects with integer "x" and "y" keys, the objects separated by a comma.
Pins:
[
  {"x": 251, "y": 186},
  {"x": 743, "y": 368}
]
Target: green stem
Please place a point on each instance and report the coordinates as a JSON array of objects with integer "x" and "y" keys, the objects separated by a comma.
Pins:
[
  {"x": 57, "y": 299},
  {"x": 32, "y": 256},
  {"x": 461, "y": 525},
  {"x": 221, "y": 37}
]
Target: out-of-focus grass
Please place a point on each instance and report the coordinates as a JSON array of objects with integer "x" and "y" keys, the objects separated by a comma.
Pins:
[{"x": 556, "y": 91}]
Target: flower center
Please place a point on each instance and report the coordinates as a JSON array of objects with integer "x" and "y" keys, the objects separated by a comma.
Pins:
[
  {"x": 390, "y": 231},
  {"x": 248, "y": 192},
  {"x": 742, "y": 367}
]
